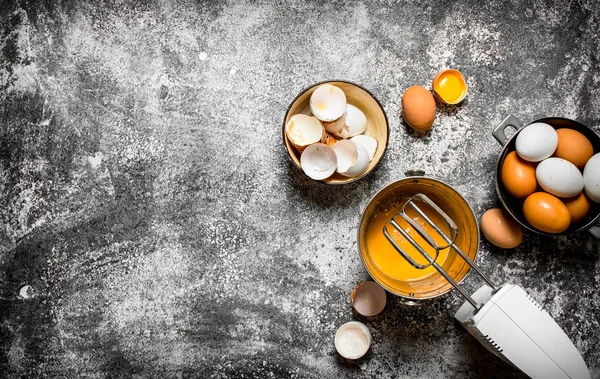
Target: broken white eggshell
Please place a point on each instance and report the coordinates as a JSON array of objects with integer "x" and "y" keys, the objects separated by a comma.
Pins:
[
  {"x": 367, "y": 142},
  {"x": 352, "y": 340},
  {"x": 352, "y": 158},
  {"x": 347, "y": 155},
  {"x": 318, "y": 161},
  {"x": 356, "y": 121},
  {"x": 303, "y": 130},
  {"x": 336, "y": 126},
  {"x": 368, "y": 298},
  {"x": 362, "y": 161},
  {"x": 328, "y": 103}
]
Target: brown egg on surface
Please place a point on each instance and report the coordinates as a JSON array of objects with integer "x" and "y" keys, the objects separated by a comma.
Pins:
[
  {"x": 578, "y": 206},
  {"x": 518, "y": 176},
  {"x": 546, "y": 212},
  {"x": 418, "y": 108},
  {"x": 573, "y": 147},
  {"x": 500, "y": 229}
]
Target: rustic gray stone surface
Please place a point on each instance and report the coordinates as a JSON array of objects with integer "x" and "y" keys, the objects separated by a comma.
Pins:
[{"x": 147, "y": 200}]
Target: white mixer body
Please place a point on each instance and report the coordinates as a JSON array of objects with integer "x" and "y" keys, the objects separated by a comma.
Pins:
[{"x": 514, "y": 328}]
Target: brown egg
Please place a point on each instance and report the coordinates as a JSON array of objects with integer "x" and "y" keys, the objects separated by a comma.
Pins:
[
  {"x": 546, "y": 212},
  {"x": 574, "y": 147},
  {"x": 518, "y": 176},
  {"x": 418, "y": 108},
  {"x": 500, "y": 229},
  {"x": 578, "y": 206}
]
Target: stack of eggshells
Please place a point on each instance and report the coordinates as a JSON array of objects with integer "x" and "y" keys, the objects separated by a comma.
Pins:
[
  {"x": 332, "y": 138},
  {"x": 556, "y": 172}
]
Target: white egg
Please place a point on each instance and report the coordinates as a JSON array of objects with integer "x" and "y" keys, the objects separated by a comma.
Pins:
[
  {"x": 368, "y": 142},
  {"x": 559, "y": 177},
  {"x": 591, "y": 178},
  {"x": 347, "y": 154},
  {"x": 328, "y": 103},
  {"x": 318, "y": 161},
  {"x": 536, "y": 142},
  {"x": 361, "y": 164}
]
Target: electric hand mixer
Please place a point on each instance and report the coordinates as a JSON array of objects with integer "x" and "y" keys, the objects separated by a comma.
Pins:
[{"x": 504, "y": 318}]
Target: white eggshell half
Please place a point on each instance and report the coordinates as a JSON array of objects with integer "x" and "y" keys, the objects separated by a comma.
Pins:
[
  {"x": 347, "y": 155},
  {"x": 336, "y": 126},
  {"x": 356, "y": 121},
  {"x": 368, "y": 142},
  {"x": 536, "y": 142},
  {"x": 559, "y": 177},
  {"x": 303, "y": 130},
  {"x": 362, "y": 161},
  {"x": 352, "y": 340},
  {"x": 318, "y": 161},
  {"x": 328, "y": 103},
  {"x": 591, "y": 178}
]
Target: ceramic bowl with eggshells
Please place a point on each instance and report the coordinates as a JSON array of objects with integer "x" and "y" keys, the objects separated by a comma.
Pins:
[
  {"x": 335, "y": 132},
  {"x": 548, "y": 175}
]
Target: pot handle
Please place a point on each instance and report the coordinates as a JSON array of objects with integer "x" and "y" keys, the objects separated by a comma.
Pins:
[
  {"x": 499, "y": 131},
  {"x": 595, "y": 231},
  {"x": 411, "y": 303},
  {"x": 410, "y": 173}
]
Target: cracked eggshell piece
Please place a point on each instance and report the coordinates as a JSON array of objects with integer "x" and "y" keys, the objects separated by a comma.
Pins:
[
  {"x": 318, "y": 161},
  {"x": 361, "y": 164},
  {"x": 356, "y": 121},
  {"x": 352, "y": 340},
  {"x": 368, "y": 143},
  {"x": 328, "y": 103},
  {"x": 335, "y": 126},
  {"x": 347, "y": 154},
  {"x": 303, "y": 130}
]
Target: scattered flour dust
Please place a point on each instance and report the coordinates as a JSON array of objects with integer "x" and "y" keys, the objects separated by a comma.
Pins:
[
  {"x": 22, "y": 77},
  {"x": 484, "y": 43}
]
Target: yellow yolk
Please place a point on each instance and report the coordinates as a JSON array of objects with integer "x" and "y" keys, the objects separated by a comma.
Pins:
[
  {"x": 449, "y": 87},
  {"x": 385, "y": 257}
]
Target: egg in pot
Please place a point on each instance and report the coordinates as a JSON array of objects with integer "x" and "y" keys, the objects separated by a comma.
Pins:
[
  {"x": 559, "y": 177},
  {"x": 591, "y": 178},
  {"x": 573, "y": 147},
  {"x": 518, "y": 176},
  {"x": 578, "y": 207},
  {"x": 546, "y": 212},
  {"x": 536, "y": 142}
]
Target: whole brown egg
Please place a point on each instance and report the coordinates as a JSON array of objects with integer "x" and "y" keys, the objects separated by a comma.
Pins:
[{"x": 418, "y": 108}]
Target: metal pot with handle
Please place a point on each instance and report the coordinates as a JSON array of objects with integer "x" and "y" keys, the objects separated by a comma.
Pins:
[{"x": 514, "y": 206}]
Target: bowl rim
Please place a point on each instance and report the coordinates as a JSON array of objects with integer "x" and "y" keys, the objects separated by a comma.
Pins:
[{"x": 387, "y": 125}]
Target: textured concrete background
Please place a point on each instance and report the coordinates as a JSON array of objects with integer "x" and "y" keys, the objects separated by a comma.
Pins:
[{"x": 147, "y": 200}]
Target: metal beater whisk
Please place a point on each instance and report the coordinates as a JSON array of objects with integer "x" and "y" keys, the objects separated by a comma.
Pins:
[{"x": 450, "y": 242}]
